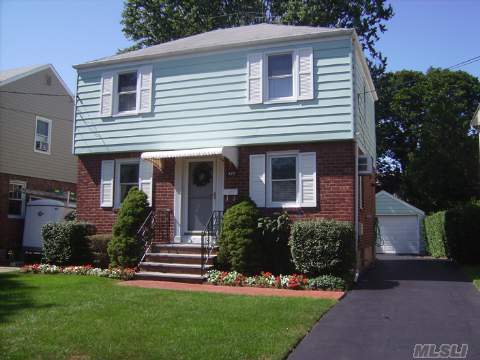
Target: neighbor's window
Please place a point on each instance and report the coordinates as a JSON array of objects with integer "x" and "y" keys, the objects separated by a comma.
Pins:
[
  {"x": 16, "y": 198},
  {"x": 280, "y": 76},
  {"x": 43, "y": 138},
  {"x": 128, "y": 178},
  {"x": 283, "y": 179},
  {"x": 127, "y": 91}
]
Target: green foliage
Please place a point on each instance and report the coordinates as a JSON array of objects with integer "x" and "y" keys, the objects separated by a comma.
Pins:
[
  {"x": 99, "y": 248},
  {"x": 275, "y": 232},
  {"x": 239, "y": 246},
  {"x": 428, "y": 153},
  {"x": 435, "y": 239},
  {"x": 151, "y": 22},
  {"x": 323, "y": 247},
  {"x": 66, "y": 243},
  {"x": 124, "y": 249},
  {"x": 327, "y": 282},
  {"x": 454, "y": 233}
]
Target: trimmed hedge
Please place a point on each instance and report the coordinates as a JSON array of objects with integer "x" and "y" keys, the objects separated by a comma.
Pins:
[
  {"x": 124, "y": 250},
  {"x": 323, "y": 247},
  {"x": 327, "y": 282},
  {"x": 435, "y": 238},
  {"x": 99, "y": 248},
  {"x": 239, "y": 245},
  {"x": 455, "y": 233},
  {"x": 66, "y": 243}
]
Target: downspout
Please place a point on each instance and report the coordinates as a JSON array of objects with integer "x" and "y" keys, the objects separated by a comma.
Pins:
[{"x": 354, "y": 126}]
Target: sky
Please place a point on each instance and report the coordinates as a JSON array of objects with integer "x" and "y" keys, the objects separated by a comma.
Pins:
[{"x": 423, "y": 33}]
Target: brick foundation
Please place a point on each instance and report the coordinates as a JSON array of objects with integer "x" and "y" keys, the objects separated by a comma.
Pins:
[
  {"x": 11, "y": 230},
  {"x": 335, "y": 189}
]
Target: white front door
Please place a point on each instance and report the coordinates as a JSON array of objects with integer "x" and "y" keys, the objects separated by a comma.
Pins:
[{"x": 199, "y": 192}]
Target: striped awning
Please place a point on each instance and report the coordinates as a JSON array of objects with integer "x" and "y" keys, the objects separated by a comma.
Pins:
[{"x": 229, "y": 152}]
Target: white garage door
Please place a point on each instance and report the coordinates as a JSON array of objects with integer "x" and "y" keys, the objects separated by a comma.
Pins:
[{"x": 399, "y": 235}]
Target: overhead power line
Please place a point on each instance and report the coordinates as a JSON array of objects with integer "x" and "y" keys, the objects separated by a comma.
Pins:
[
  {"x": 32, "y": 93},
  {"x": 33, "y": 113}
]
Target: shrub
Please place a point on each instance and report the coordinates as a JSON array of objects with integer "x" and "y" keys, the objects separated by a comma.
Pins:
[
  {"x": 66, "y": 243},
  {"x": 454, "y": 233},
  {"x": 239, "y": 248},
  {"x": 435, "y": 239},
  {"x": 327, "y": 282},
  {"x": 124, "y": 250},
  {"x": 98, "y": 247},
  {"x": 275, "y": 232},
  {"x": 323, "y": 247}
]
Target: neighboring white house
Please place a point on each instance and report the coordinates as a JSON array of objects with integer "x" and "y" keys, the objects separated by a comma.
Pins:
[{"x": 399, "y": 225}]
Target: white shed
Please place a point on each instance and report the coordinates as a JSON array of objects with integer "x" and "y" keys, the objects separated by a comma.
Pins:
[{"x": 399, "y": 226}]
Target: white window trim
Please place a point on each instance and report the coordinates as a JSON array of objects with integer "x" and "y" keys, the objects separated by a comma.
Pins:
[
  {"x": 116, "y": 175},
  {"x": 41, "y": 118},
  {"x": 24, "y": 197},
  {"x": 276, "y": 204},
  {"x": 265, "y": 80},
  {"x": 115, "y": 112}
]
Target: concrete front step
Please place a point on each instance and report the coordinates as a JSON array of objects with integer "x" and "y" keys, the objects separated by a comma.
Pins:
[
  {"x": 173, "y": 268},
  {"x": 177, "y": 258},
  {"x": 173, "y": 248},
  {"x": 161, "y": 276}
]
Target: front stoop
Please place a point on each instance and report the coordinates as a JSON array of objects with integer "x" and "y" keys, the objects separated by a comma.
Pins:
[{"x": 174, "y": 262}]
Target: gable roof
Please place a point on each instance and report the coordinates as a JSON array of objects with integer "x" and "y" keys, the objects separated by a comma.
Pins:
[
  {"x": 387, "y": 204},
  {"x": 221, "y": 39},
  {"x": 10, "y": 75}
]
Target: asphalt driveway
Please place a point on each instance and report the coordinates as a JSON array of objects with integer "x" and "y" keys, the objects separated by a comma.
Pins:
[{"x": 400, "y": 302}]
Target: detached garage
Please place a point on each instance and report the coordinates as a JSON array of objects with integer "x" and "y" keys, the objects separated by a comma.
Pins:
[{"x": 399, "y": 226}]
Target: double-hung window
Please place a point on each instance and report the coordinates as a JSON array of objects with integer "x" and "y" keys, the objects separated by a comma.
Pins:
[
  {"x": 43, "y": 135},
  {"x": 16, "y": 199},
  {"x": 126, "y": 174},
  {"x": 283, "y": 181},
  {"x": 127, "y": 92},
  {"x": 280, "y": 76}
]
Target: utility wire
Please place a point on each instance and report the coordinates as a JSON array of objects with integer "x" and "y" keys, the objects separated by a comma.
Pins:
[
  {"x": 33, "y": 113},
  {"x": 32, "y": 93}
]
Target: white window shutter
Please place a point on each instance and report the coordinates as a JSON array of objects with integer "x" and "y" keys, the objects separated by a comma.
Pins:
[
  {"x": 305, "y": 73},
  {"x": 106, "y": 183},
  {"x": 106, "y": 96},
  {"x": 145, "y": 175},
  {"x": 145, "y": 89},
  {"x": 257, "y": 179},
  {"x": 308, "y": 179},
  {"x": 255, "y": 77}
]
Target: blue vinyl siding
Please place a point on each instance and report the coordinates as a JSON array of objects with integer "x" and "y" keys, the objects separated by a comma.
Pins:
[{"x": 201, "y": 102}]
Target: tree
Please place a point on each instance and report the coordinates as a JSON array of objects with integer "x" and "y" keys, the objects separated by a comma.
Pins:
[
  {"x": 427, "y": 151},
  {"x": 151, "y": 22}
]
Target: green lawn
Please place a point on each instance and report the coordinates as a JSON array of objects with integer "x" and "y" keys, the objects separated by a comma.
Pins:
[
  {"x": 473, "y": 271},
  {"x": 79, "y": 317}
]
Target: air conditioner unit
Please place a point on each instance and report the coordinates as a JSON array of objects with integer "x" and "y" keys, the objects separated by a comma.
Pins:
[{"x": 365, "y": 165}]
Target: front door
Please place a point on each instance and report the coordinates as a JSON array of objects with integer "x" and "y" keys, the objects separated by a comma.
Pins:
[{"x": 200, "y": 195}]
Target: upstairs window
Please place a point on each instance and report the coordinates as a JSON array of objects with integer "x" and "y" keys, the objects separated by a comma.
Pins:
[
  {"x": 43, "y": 138},
  {"x": 127, "y": 92},
  {"x": 16, "y": 199},
  {"x": 280, "y": 76}
]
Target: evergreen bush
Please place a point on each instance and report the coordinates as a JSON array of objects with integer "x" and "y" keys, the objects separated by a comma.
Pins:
[{"x": 124, "y": 250}]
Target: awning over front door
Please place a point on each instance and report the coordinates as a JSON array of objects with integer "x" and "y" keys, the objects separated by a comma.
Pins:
[{"x": 229, "y": 152}]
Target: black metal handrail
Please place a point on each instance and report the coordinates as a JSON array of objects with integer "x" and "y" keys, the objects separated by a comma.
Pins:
[{"x": 209, "y": 237}]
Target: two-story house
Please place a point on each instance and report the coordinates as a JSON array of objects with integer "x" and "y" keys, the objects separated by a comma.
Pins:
[
  {"x": 281, "y": 114},
  {"x": 36, "y": 121}
]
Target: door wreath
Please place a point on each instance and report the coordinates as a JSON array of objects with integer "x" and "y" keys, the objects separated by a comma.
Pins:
[{"x": 202, "y": 174}]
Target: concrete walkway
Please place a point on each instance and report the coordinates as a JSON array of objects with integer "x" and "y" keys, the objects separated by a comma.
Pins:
[{"x": 401, "y": 302}]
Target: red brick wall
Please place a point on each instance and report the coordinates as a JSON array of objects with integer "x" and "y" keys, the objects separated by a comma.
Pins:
[
  {"x": 335, "y": 181},
  {"x": 11, "y": 230},
  {"x": 366, "y": 217}
]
